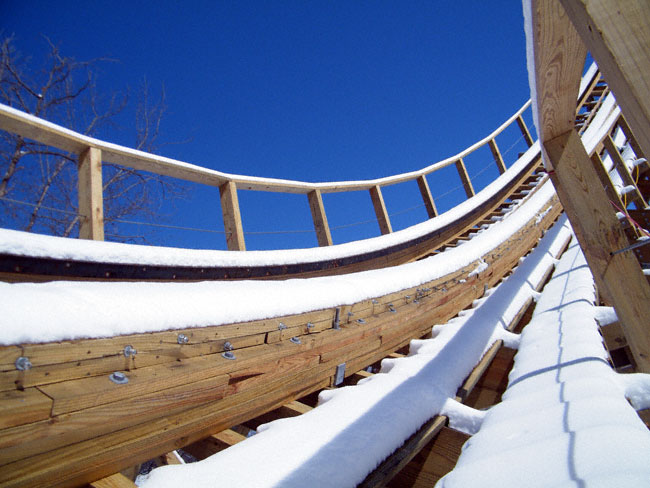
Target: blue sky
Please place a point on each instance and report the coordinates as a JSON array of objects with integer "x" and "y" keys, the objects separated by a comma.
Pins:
[{"x": 304, "y": 90}]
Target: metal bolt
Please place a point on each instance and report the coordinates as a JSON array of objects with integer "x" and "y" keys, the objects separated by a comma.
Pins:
[
  {"x": 281, "y": 326},
  {"x": 229, "y": 355},
  {"x": 129, "y": 351},
  {"x": 391, "y": 308},
  {"x": 361, "y": 321},
  {"x": 310, "y": 325},
  {"x": 227, "y": 346},
  {"x": 337, "y": 319},
  {"x": 23, "y": 363},
  {"x": 296, "y": 340},
  {"x": 182, "y": 339},
  {"x": 118, "y": 377}
]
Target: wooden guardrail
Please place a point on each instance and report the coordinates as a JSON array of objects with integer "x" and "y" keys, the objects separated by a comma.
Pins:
[{"x": 92, "y": 152}]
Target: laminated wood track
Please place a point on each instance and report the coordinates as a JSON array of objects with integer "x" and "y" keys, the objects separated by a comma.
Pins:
[{"x": 66, "y": 423}]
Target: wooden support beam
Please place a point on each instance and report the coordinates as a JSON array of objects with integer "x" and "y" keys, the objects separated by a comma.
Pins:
[
  {"x": 213, "y": 444},
  {"x": 320, "y": 218},
  {"x": 595, "y": 224},
  {"x": 232, "y": 217},
  {"x": 380, "y": 210},
  {"x": 618, "y": 36},
  {"x": 90, "y": 192},
  {"x": 464, "y": 177},
  {"x": 434, "y": 461},
  {"x": 559, "y": 57},
  {"x": 623, "y": 172},
  {"x": 430, "y": 205},
  {"x": 501, "y": 165},
  {"x": 524, "y": 131},
  {"x": 117, "y": 480}
]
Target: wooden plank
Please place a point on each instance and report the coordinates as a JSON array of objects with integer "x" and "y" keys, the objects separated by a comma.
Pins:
[
  {"x": 23, "y": 407},
  {"x": 559, "y": 57},
  {"x": 464, "y": 177},
  {"x": 623, "y": 172},
  {"x": 599, "y": 233},
  {"x": 117, "y": 480},
  {"x": 395, "y": 463},
  {"x": 213, "y": 444},
  {"x": 494, "y": 148},
  {"x": 429, "y": 204},
  {"x": 433, "y": 462},
  {"x": 524, "y": 131},
  {"x": 232, "y": 217},
  {"x": 91, "y": 202},
  {"x": 320, "y": 218},
  {"x": 618, "y": 36},
  {"x": 380, "y": 210},
  {"x": 629, "y": 135},
  {"x": 606, "y": 181}
]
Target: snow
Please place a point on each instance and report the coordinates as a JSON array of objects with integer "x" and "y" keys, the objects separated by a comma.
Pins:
[
  {"x": 564, "y": 419},
  {"x": 72, "y": 310},
  {"x": 354, "y": 428},
  {"x": 26, "y": 244}
]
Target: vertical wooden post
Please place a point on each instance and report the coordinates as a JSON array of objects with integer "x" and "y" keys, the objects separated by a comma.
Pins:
[
  {"x": 464, "y": 177},
  {"x": 90, "y": 192},
  {"x": 497, "y": 155},
  {"x": 380, "y": 210},
  {"x": 232, "y": 217},
  {"x": 624, "y": 173},
  {"x": 618, "y": 35},
  {"x": 600, "y": 235},
  {"x": 524, "y": 131},
  {"x": 430, "y": 205},
  {"x": 320, "y": 218}
]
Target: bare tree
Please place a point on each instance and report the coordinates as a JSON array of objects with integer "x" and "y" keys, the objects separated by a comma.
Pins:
[{"x": 38, "y": 183}]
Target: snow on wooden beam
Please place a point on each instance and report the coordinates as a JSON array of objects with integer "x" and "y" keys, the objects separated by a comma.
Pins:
[{"x": 599, "y": 232}]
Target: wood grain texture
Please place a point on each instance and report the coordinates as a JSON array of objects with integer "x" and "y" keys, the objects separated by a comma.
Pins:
[
  {"x": 464, "y": 178},
  {"x": 427, "y": 198},
  {"x": 559, "y": 57},
  {"x": 319, "y": 217},
  {"x": 90, "y": 192},
  {"x": 232, "y": 217},
  {"x": 599, "y": 233},
  {"x": 618, "y": 36},
  {"x": 380, "y": 210}
]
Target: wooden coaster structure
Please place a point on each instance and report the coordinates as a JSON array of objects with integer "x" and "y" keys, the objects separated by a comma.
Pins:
[{"x": 63, "y": 423}]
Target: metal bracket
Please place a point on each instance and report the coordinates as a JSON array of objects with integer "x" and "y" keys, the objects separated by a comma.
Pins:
[{"x": 340, "y": 374}]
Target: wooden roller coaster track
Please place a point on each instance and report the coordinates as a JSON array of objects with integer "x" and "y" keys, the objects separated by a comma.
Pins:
[{"x": 91, "y": 411}]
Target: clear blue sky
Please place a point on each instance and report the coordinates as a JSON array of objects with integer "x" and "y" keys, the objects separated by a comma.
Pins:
[{"x": 303, "y": 90}]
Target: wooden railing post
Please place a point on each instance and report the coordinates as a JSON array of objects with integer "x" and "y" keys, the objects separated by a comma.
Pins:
[
  {"x": 320, "y": 218},
  {"x": 432, "y": 211},
  {"x": 380, "y": 210},
  {"x": 629, "y": 135},
  {"x": 497, "y": 155},
  {"x": 232, "y": 217},
  {"x": 90, "y": 193},
  {"x": 464, "y": 177},
  {"x": 524, "y": 131}
]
